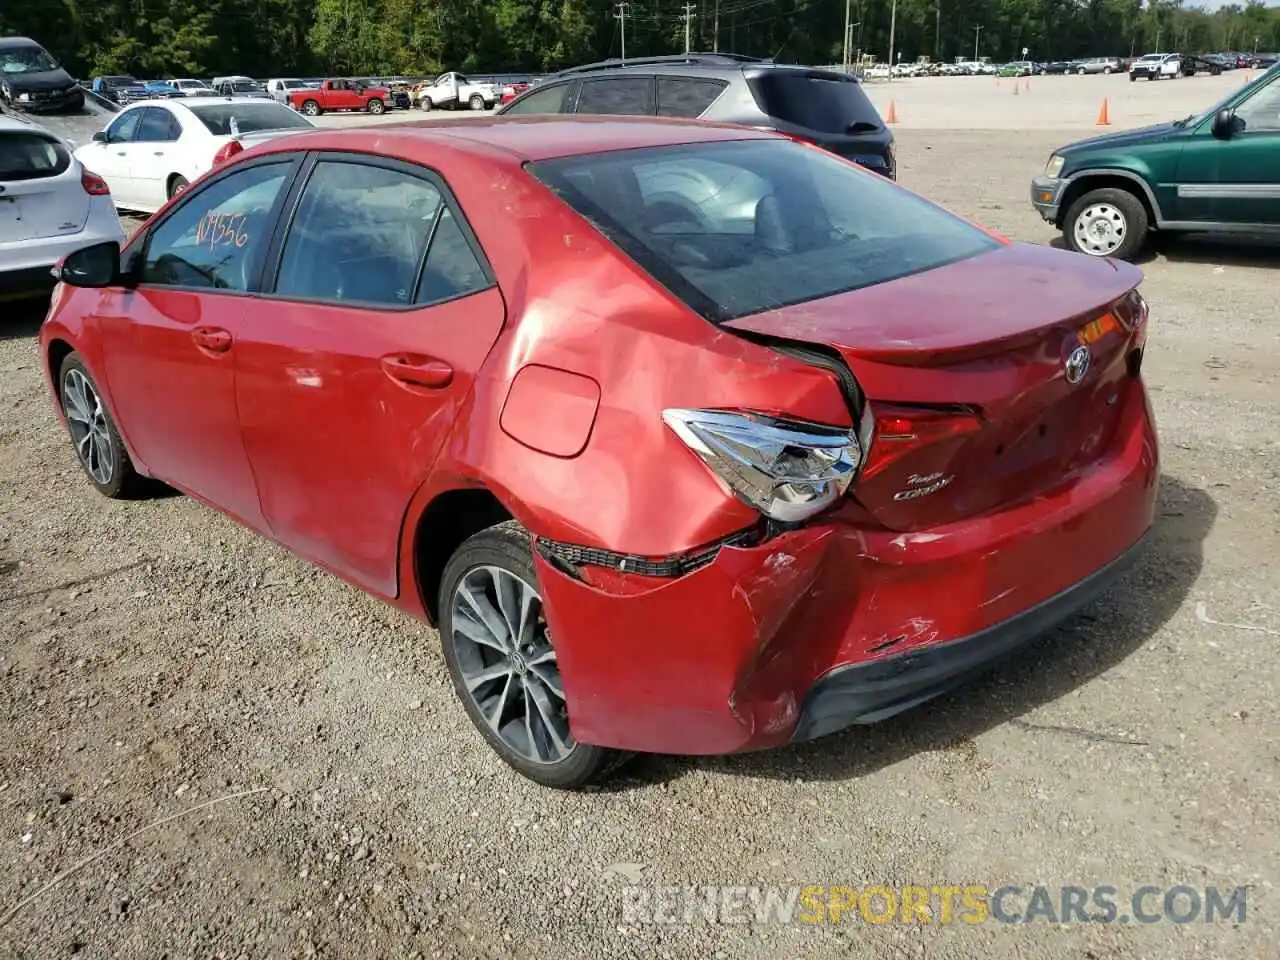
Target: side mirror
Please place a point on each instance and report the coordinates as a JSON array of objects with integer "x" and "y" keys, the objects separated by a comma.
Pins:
[
  {"x": 1224, "y": 124},
  {"x": 95, "y": 266},
  {"x": 101, "y": 137}
]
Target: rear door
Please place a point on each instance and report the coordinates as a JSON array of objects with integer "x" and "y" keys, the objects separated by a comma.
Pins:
[
  {"x": 40, "y": 190},
  {"x": 152, "y": 160},
  {"x": 358, "y": 361}
]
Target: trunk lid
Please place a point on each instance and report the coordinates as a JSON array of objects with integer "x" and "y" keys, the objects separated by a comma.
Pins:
[
  {"x": 40, "y": 190},
  {"x": 966, "y": 369}
]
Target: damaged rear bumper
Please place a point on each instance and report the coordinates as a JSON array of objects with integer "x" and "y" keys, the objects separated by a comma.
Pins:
[{"x": 835, "y": 623}]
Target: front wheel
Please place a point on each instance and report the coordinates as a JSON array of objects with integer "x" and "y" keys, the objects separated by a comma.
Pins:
[
  {"x": 93, "y": 433},
  {"x": 1107, "y": 71},
  {"x": 503, "y": 663},
  {"x": 376, "y": 106},
  {"x": 1108, "y": 222},
  {"x": 425, "y": 104},
  {"x": 1132, "y": 78}
]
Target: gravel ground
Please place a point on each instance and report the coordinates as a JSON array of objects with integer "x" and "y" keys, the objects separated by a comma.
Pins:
[{"x": 156, "y": 657}]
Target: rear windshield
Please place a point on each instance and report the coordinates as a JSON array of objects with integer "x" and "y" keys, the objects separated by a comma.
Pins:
[
  {"x": 737, "y": 228},
  {"x": 30, "y": 156},
  {"x": 250, "y": 117},
  {"x": 816, "y": 101}
]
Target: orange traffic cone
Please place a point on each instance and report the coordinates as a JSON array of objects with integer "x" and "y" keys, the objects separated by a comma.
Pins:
[
  {"x": 1015, "y": 88},
  {"x": 892, "y": 115},
  {"x": 1104, "y": 115},
  {"x": 1026, "y": 85}
]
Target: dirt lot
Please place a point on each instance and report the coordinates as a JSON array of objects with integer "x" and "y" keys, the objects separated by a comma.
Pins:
[{"x": 155, "y": 656}]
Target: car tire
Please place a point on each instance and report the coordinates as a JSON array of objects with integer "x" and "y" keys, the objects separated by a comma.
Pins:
[
  {"x": 376, "y": 106},
  {"x": 1107, "y": 71},
  {"x": 1115, "y": 211},
  {"x": 538, "y": 749},
  {"x": 1081, "y": 72},
  {"x": 1133, "y": 78},
  {"x": 177, "y": 183},
  {"x": 311, "y": 108},
  {"x": 425, "y": 104},
  {"x": 477, "y": 102},
  {"x": 94, "y": 437}
]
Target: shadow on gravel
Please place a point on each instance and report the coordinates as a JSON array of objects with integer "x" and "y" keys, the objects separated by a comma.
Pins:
[
  {"x": 1207, "y": 249},
  {"x": 21, "y": 318},
  {"x": 1091, "y": 643}
]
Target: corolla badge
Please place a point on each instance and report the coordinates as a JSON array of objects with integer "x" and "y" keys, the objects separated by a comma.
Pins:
[{"x": 1078, "y": 362}]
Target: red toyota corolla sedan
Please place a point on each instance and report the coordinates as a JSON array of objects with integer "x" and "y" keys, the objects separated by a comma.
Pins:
[{"x": 691, "y": 439}]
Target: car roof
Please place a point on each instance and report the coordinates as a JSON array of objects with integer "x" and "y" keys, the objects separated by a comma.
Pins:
[
  {"x": 527, "y": 139},
  {"x": 14, "y": 43},
  {"x": 709, "y": 65},
  {"x": 11, "y": 124}
]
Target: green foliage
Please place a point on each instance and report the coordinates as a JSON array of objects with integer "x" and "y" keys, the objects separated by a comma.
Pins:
[{"x": 309, "y": 37}]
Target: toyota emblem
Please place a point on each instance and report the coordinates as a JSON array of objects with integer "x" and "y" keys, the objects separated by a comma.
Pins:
[{"x": 1078, "y": 362}]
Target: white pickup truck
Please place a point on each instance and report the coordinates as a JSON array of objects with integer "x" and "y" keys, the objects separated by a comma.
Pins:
[{"x": 453, "y": 91}]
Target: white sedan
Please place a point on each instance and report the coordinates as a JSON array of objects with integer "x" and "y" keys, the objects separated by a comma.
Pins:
[
  {"x": 50, "y": 206},
  {"x": 154, "y": 148}
]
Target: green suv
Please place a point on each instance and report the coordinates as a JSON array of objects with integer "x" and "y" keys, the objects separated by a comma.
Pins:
[{"x": 1218, "y": 171}]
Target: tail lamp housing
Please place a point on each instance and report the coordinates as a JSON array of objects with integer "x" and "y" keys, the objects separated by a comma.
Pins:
[
  {"x": 227, "y": 151},
  {"x": 93, "y": 184},
  {"x": 789, "y": 470}
]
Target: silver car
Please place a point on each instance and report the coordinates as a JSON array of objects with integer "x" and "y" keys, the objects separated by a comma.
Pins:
[{"x": 1106, "y": 65}]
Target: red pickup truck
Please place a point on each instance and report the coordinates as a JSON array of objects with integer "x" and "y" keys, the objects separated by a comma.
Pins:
[{"x": 339, "y": 95}]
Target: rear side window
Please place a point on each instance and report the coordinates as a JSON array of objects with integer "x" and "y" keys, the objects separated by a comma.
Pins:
[
  {"x": 815, "y": 101},
  {"x": 618, "y": 96},
  {"x": 31, "y": 156},
  {"x": 737, "y": 228},
  {"x": 542, "y": 100},
  {"x": 686, "y": 96}
]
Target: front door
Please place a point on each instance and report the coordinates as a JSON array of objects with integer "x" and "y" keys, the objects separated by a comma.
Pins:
[
  {"x": 1235, "y": 180},
  {"x": 171, "y": 344},
  {"x": 111, "y": 159},
  {"x": 351, "y": 375}
]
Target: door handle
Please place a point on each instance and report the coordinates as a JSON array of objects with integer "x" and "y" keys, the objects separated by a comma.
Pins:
[
  {"x": 418, "y": 371},
  {"x": 158, "y": 153},
  {"x": 212, "y": 339}
]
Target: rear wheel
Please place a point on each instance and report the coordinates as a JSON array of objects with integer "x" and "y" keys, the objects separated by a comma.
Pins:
[
  {"x": 1109, "y": 222},
  {"x": 93, "y": 433},
  {"x": 311, "y": 108},
  {"x": 503, "y": 664},
  {"x": 1106, "y": 70},
  {"x": 177, "y": 184}
]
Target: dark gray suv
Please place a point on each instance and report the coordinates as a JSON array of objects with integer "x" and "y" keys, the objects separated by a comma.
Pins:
[{"x": 823, "y": 107}]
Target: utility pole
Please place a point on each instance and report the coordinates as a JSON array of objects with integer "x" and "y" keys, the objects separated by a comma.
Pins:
[
  {"x": 844, "y": 46},
  {"x": 893, "y": 26},
  {"x": 715, "y": 30},
  {"x": 977, "y": 31},
  {"x": 689, "y": 7},
  {"x": 620, "y": 15},
  {"x": 937, "y": 31}
]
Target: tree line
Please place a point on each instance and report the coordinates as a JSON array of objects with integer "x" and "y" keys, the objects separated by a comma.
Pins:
[{"x": 261, "y": 38}]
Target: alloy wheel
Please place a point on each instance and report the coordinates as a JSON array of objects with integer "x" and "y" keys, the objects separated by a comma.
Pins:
[
  {"x": 508, "y": 665},
  {"x": 88, "y": 423},
  {"x": 1100, "y": 229}
]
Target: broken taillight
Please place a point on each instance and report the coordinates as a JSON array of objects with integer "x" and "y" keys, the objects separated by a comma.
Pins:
[{"x": 902, "y": 430}]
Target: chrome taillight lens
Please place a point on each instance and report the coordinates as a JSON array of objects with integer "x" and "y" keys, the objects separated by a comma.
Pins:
[{"x": 789, "y": 470}]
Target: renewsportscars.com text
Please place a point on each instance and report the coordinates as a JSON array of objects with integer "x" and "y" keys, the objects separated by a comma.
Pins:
[{"x": 936, "y": 904}]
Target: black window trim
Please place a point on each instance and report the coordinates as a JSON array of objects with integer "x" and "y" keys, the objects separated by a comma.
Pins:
[
  {"x": 274, "y": 250},
  {"x": 137, "y": 256},
  {"x": 168, "y": 114},
  {"x": 568, "y": 105}
]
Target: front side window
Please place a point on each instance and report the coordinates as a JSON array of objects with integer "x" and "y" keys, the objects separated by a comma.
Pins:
[
  {"x": 361, "y": 233},
  {"x": 213, "y": 239},
  {"x": 125, "y": 126},
  {"x": 737, "y": 228},
  {"x": 1261, "y": 112},
  {"x": 617, "y": 96},
  {"x": 542, "y": 100}
]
